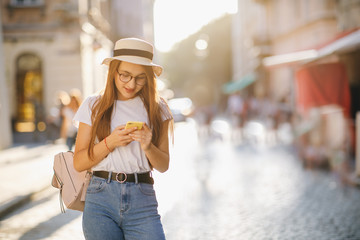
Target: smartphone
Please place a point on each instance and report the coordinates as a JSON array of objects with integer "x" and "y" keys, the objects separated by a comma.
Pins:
[{"x": 132, "y": 124}]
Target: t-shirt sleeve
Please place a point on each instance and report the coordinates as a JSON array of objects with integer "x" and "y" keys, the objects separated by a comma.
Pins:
[
  {"x": 83, "y": 114},
  {"x": 165, "y": 110}
]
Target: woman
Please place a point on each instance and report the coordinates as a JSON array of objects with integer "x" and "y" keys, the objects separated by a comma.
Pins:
[{"x": 120, "y": 201}]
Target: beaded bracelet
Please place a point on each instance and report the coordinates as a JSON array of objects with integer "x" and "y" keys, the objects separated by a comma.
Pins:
[{"x": 106, "y": 145}]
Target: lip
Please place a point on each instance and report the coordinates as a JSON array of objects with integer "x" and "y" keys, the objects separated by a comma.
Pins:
[{"x": 129, "y": 90}]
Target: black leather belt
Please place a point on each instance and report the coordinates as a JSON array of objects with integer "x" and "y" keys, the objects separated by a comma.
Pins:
[{"x": 125, "y": 177}]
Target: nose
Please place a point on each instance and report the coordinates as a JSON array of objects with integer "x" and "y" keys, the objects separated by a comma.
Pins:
[{"x": 132, "y": 83}]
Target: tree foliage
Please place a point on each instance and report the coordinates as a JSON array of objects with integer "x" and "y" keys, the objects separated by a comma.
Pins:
[{"x": 200, "y": 74}]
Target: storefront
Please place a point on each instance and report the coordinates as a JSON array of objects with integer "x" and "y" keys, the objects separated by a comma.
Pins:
[{"x": 325, "y": 82}]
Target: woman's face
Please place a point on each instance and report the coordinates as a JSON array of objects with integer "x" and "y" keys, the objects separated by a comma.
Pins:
[{"x": 130, "y": 78}]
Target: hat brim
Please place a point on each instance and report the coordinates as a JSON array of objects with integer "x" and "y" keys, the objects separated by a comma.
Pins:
[{"x": 136, "y": 60}]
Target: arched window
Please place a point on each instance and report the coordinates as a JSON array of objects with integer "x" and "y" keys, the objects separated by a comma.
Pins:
[{"x": 29, "y": 93}]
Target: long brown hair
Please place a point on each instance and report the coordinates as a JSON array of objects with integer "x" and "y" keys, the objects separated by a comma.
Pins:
[{"x": 103, "y": 107}]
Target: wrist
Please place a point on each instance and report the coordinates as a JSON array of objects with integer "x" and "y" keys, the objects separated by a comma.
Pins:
[
  {"x": 107, "y": 145},
  {"x": 148, "y": 148}
]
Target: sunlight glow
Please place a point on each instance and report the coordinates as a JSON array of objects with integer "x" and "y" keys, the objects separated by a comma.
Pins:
[
  {"x": 201, "y": 44},
  {"x": 175, "y": 20}
]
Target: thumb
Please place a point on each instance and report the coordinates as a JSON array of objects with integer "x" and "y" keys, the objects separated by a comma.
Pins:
[{"x": 146, "y": 126}]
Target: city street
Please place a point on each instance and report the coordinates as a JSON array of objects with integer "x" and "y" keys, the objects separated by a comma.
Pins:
[{"x": 216, "y": 189}]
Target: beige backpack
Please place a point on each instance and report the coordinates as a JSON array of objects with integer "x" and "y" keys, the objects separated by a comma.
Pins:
[{"x": 72, "y": 184}]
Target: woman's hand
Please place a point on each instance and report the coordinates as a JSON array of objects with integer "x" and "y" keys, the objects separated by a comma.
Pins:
[
  {"x": 119, "y": 137},
  {"x": 143, "y": 136}
]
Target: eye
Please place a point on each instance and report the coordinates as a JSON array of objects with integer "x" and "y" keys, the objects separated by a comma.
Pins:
[{"x": 141, "y": 77}]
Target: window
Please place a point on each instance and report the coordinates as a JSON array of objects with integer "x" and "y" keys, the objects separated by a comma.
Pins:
[{"x": 26, "y": 3}]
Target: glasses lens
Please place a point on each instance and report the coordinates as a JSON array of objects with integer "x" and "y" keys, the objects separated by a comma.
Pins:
[
  {"x": 141, "y": 80},
  {"x": 124, "y": 77}
]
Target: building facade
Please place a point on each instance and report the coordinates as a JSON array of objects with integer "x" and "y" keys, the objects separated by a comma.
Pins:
[
  {"x": 4, "y": 110},
  {"x": 52, "y": 46},
  {"x": 306, "y": 54},
  {"x": 274, "y": 38},
  {"x": 133, "y": 19}
]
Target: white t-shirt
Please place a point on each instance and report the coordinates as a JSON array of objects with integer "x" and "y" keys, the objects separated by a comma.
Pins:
[{"x": 130, "y": 158}]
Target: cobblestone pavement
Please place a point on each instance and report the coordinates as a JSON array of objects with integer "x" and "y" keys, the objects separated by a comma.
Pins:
[
  {"x": 42, "y": 219},
  {"x": 215, "y": 190},
  {"x": 267, "y": 195},
  {"x": 254, "y": 192}
]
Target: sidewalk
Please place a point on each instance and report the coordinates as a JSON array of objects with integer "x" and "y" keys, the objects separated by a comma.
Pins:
[{"x": 25, "y": 170}]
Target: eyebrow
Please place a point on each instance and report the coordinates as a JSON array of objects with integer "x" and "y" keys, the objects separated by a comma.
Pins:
[{"x": 131, "y": 73}]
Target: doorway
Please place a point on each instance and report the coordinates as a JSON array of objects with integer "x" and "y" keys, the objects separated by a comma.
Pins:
[{"x": 29, "y": 95}]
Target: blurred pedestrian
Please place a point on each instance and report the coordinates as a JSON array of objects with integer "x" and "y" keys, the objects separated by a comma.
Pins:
[
  {"x": 235, "y": 107},
  {"x": 120, "y": 201},
  {"x": 54, "y": 120},
  {"x": 69, "y": 131},
  {"x": 235, "y": 110}
]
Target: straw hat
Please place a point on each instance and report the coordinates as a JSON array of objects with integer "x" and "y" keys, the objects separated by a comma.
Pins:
[{"x": 136, "y": 51}]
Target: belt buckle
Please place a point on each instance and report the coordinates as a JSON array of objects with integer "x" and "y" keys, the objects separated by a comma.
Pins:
[{"x": 117, "y": 177}]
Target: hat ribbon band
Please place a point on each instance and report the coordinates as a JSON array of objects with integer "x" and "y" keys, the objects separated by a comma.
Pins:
[{"x": 133, "y": 52}]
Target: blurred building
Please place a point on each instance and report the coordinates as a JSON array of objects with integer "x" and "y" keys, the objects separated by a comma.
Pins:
[
  {"x": 274, "y": 38},
  {"x": 312, "y": 33},
  {"x": 133, "y": 18},
  {"x": 59, "y": 45},
  {"x": 303, "y": 53},
  {"x": 5, "y": 132},
  {"x": 249, "y": 45}
]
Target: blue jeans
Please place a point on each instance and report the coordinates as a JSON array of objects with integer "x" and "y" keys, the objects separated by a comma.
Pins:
[{"x": 121, "y": 211}]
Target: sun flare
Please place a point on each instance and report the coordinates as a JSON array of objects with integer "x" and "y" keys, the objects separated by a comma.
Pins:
[{"x": 175, "y": 20}]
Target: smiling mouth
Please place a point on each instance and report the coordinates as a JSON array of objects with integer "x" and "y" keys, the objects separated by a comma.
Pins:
[{"x": 129, "y": 90}]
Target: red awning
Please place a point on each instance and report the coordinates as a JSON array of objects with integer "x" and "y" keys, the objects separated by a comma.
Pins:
[{"x": 322, "y": 84}]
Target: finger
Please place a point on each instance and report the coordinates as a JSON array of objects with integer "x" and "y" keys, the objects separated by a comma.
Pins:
[
  {"x": 120, "y": 127},
  {"x": 127, "y": 131},
  {"x": 129, "y": 141},
  {"x": 143, "y": 140},
  {"x": 135, "y": 136},
  {"x": 138, "y": 136},
  {"x": 123, "y": 143},
  {"x": 126, "y": 139},
  {"x": 132, "y": 130},
  {"x": 124, "y": 134}
]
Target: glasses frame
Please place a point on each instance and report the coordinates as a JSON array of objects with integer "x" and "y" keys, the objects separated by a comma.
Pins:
[{"x": 131, "y": 77}]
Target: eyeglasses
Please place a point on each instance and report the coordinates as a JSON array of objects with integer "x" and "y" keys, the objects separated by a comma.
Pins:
[{"x": 139, "y": 80}]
